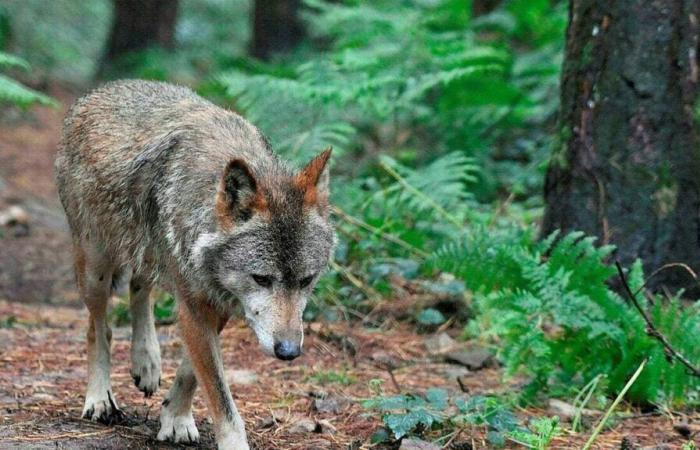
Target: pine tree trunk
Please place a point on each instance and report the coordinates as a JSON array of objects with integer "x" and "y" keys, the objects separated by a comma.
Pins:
[
  {"x": 482, "y": 7},
  {"x": 137, "y": 25},
  {"x": 628, "y": 164},
  {"x": 276, "y": 27}
]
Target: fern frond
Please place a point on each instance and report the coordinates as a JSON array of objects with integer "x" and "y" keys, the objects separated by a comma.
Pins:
[
  {"x": 443, "y": 182},
  {"x": 7, "y": 60},
  {"x": 14, "y": 93}
]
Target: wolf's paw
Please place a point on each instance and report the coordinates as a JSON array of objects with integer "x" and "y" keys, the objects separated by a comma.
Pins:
[
  {"x": 145, "y": 368},
  {"x": 177, "y": 429},
  {"x": 233, "y": 442},
  {"x": 102, "y": 409}
]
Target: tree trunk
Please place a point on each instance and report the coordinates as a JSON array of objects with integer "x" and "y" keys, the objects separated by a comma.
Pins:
[
  {"x": 482, "y": 7},
  {"x": 276, "y": 27},
  {"x": 137, "y": 25},
  {"x": 627, "y": 167}
]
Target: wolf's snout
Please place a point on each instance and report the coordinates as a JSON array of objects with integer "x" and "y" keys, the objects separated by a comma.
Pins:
[{"x": 287, "y": 350}]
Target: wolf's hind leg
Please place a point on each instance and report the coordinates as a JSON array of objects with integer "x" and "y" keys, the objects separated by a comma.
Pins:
[
  {"x": 145, "y": 350},
  {"x": 94, "y": 275},
  {"x": 176, "y": 421}
]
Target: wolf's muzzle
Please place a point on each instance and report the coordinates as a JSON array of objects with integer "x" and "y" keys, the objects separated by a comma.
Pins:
[{"x": 287, "y": 350}]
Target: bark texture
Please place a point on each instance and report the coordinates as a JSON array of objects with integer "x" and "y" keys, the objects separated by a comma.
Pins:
[
  {"x": 137, "y": 25},
  {"x": 628, "y": 165},
  {"x": 276, "y": 27}
]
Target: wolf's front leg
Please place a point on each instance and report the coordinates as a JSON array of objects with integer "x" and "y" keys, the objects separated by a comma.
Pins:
[
  {"x": 200, "y": 325},
  {"x": 176, "y": 421}
]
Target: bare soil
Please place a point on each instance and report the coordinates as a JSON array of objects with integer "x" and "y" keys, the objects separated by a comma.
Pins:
[{"x": 43, "y": 364}]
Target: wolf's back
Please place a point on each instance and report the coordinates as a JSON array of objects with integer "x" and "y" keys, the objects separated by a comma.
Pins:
[{"x": 138, "y": 161}]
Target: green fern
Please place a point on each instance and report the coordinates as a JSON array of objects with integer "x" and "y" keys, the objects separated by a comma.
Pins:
[
  {"x": 557, "y": 321},
  {"x": 14, "y": 93}
]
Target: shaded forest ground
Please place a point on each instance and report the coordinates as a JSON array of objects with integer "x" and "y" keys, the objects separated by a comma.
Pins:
[{"x": 42, "y": 356}]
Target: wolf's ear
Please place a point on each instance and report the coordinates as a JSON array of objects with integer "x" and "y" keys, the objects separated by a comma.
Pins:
[
  {"x": 314, "y": 178},
  {"x": 236, "y": 194}
]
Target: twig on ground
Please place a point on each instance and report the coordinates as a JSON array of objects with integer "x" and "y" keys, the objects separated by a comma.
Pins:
[
  {"x": 393, "y": 380},
  {"x": 651, "y": 329}
]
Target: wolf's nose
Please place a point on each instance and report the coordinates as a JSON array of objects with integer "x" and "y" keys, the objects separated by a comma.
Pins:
[{"x": 287, "y": 350}]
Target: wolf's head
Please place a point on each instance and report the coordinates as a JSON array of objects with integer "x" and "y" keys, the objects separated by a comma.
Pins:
[{"x": 274, "y": 241}]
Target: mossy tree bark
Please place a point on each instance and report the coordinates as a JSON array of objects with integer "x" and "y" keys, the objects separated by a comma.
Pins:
[
  {"x": 276, "y": 27},
  {"x": 138, "y": 25},
  {"x": 628, "y": 165}
]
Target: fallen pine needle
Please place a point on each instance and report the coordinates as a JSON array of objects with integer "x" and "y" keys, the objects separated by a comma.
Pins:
[{"x": 44, "y": 437}]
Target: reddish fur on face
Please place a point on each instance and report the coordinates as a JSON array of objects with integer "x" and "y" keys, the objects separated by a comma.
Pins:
[{"x": 308, "y": 178}]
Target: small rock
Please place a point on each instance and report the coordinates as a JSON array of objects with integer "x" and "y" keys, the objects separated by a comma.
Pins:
[
  {"x": 267, "y": 422},
  {"x": 417, "y": 444},
  {"x": 473, "y": 359},
  {"x": 242, "y": 377},
  {"x": 567, "y": 411},
  {"x": 330, "y": 404},
  {"x": 385, "y": 360},
  {"x": 326, "y": 427},
  {"x": 456, "y": 371},
  {"x": 440, "y": 343},
  {"x": 277, "y": 416},
  {"x": 304, "y": 425}
]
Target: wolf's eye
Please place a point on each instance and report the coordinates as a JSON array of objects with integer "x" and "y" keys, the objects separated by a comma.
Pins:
[
  {"x": 263, "y": 280},
  {"x": 305, "y": 282}
]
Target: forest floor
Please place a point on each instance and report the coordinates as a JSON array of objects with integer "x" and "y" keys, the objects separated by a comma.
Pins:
[{"x": 312, "y": 403}]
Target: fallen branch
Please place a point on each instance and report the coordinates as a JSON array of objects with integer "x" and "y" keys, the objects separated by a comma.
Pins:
[{"x": 652, "y": 330}]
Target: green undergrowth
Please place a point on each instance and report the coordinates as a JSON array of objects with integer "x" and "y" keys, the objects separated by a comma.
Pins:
[{"x": 437, "y": 416}]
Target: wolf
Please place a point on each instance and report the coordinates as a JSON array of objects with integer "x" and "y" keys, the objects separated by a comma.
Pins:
[{"x": 176, "y": 192}]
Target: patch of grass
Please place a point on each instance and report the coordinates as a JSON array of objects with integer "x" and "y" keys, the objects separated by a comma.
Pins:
[{"x": 324, "y": 377}]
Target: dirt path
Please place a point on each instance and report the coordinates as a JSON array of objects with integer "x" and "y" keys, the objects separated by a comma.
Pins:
[{"x": 42, "y": 348}]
